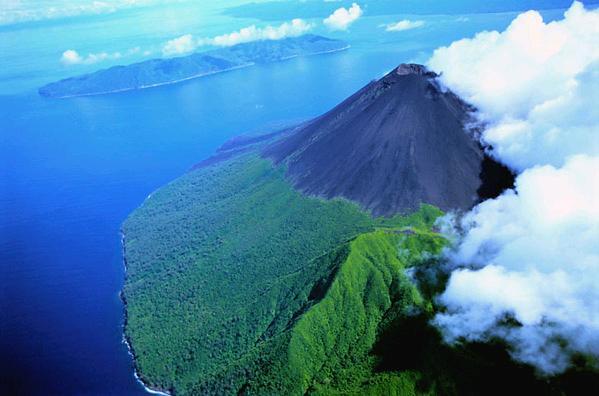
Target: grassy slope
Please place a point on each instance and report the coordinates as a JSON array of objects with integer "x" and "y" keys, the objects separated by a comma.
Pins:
[
  {"x": 221, "y": 264},
  {"x": 331, "y": 344},
  {"x": 327, "y": 351}
]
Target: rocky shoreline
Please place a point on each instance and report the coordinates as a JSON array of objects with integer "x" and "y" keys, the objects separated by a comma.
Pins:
[{"x": 127, "y": 341}]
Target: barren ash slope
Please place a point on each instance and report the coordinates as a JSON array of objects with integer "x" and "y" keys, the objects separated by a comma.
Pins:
[
  {"x": 393, "y": 145},
  {"x": 290, "y": 263}
]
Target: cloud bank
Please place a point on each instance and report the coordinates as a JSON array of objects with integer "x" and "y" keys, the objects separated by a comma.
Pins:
[
  {"x": 187, "y": 43},
  {"x": 531, "y": 84},
  {"x": 532, "y": 254},
  {"x": 342, "y": 18},
  {"x": 402, "y": 25}
]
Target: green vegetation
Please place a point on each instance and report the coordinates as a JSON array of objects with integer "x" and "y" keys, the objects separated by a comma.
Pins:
[
  {"x": 229, "y": 264},
  {"x": 330, "y": 345}
]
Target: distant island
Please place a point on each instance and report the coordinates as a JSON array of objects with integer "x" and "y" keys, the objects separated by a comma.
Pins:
[{"x": 156, "y": 72}]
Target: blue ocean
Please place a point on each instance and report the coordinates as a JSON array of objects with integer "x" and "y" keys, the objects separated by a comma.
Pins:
[{"x": 71, "y": 170}]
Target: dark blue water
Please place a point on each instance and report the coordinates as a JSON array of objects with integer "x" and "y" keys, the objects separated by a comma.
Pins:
[{"x": 71, "y": 171}]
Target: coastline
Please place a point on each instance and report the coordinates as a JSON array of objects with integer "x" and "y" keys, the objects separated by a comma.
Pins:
[
  {"x": 127, "y": 341},
  {"x": 125, "y": 338},
  {"x": 200, "y": 75},
  {"x": 348, "y": 46}
]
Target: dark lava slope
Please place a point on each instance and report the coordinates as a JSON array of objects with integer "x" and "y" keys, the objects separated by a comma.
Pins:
[{"x": 398, "y": 142}]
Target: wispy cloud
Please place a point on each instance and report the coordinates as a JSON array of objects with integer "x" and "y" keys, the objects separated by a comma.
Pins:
[
  {"x": 402, "y": 25},
  {"x": 531, "y": 254},
  {"x": 342, "y": 18},
  {"x": 15, "y": 11},
  {"x": 72, "y": 57},
  {"x": 188, "y": 43}
]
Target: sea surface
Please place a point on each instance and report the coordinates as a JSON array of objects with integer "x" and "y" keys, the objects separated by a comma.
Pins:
[{"x": 71, "y": 170}]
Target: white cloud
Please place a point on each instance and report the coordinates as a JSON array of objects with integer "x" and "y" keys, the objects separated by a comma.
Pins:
[
  {"x": 180, "y": 45},
  {"x": 294, "y": 28},
  {"x": 187, "y": 43},
  {"x": 343, "y": 17},
  {"x": 72, "y": 57},
  {"x": 535, "y": 257},
  {"x": 533, "y": 253},
  {"x": 402, "y": 25}
]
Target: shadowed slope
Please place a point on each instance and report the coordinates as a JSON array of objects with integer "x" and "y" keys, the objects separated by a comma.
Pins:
[{"x": 398, "y": 142}]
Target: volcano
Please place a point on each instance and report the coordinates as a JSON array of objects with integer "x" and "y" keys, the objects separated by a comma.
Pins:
[{"x": 398, "y": 142}]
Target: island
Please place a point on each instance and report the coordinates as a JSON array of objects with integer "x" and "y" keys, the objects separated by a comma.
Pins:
[
  {"x": 157, "y": 72},
  {"x": 306, "y": 261}
]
